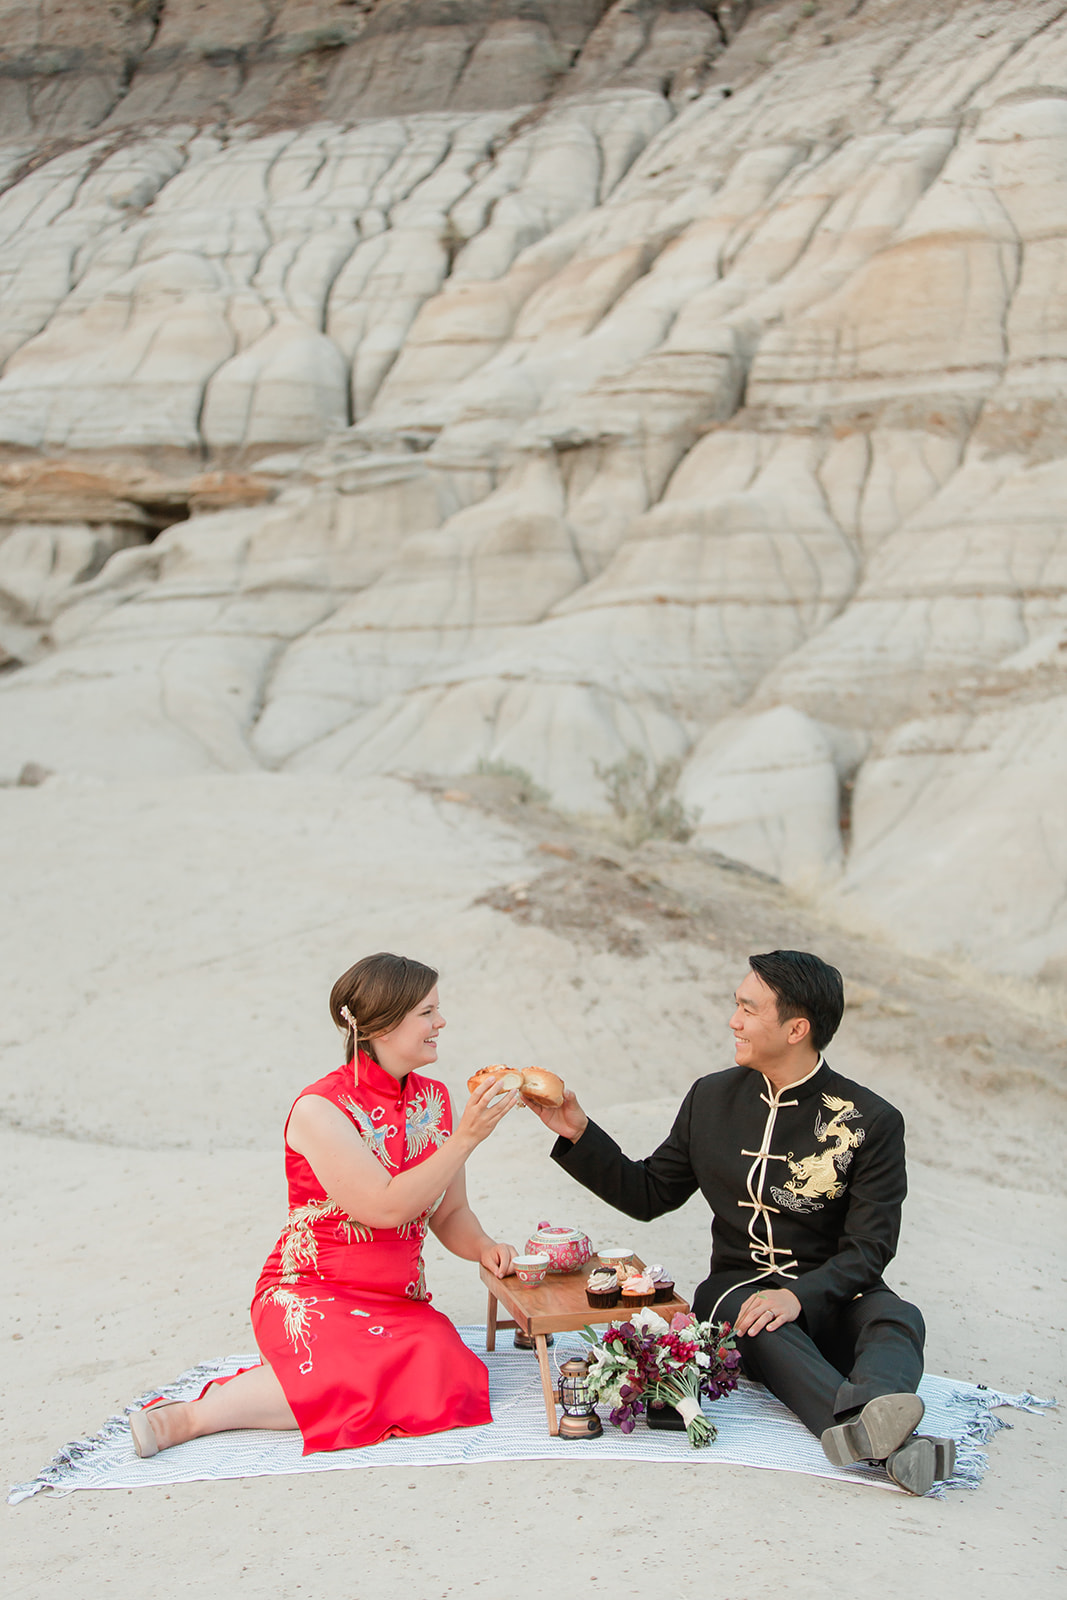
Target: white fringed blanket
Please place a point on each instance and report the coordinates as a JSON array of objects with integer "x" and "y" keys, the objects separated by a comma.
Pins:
[{"x": 755, "y": 1430}]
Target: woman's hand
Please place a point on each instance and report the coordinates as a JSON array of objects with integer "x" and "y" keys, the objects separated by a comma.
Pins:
[
  {"x": 480, "y": 1117},
  {"x": 498, "y": 1258},
  {"x": 568, "y": 1120}
]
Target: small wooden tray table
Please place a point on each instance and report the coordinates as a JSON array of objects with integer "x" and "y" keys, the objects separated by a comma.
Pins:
[{"x": 558, "y": 1305}]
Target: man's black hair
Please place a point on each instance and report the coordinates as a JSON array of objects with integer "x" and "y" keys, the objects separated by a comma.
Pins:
[{"x": 804, "y": 986}]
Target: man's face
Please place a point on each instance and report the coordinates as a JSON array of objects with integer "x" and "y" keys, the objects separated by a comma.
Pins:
[{"x": 760, "y": 1040}]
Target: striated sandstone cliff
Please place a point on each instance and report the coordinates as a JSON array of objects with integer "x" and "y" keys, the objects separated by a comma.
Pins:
[
  {"x": 67, "y": 71},
  {"x": 670, "y": 377}
]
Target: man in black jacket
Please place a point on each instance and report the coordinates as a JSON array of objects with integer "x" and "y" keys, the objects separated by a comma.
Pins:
[{"x": 804, "y": 1173}]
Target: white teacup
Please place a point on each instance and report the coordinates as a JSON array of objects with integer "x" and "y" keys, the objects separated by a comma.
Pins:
[{"x": 530, "y": 1270}]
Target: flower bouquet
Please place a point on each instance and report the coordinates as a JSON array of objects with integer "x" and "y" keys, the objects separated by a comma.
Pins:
[{"x": 647, "y": 1361}]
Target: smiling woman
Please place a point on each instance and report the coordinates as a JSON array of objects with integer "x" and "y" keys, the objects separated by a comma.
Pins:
[
  {"x": 395, "y": 1000},
  {"x": 352, "y": 1350}
]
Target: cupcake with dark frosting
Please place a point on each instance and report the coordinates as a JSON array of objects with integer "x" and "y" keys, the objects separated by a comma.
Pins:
[{"x": 602, "y": 1290}]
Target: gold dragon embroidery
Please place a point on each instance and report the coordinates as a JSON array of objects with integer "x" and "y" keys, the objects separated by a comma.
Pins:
[{"x": 818, "y": 1177}]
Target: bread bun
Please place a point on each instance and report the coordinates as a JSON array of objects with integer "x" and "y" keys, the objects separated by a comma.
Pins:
[
  {"x": 541, "y": 1087},
  {"x": 505, "y": 1079}
]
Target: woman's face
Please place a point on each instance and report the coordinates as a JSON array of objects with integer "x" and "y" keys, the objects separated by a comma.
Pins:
[{"x": 412, "y": 1044}]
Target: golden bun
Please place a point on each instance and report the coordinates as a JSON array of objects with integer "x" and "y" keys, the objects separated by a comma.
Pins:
[
  {"x": 505, "y": 1078},
  {"x": 541, "y": 1087}
]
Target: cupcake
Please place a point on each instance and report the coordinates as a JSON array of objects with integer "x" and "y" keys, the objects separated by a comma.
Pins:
[
  {"x": 637, "y": 1291},
  {"x": 663, "y": 1281},
  {"x": 602, "y": 1290}
]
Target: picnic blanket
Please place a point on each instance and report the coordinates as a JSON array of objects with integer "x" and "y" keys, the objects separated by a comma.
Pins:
[{"x": 754, "y": 1430}]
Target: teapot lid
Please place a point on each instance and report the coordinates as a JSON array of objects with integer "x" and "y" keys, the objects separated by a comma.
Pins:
[{"x": 562, "y": 1235}]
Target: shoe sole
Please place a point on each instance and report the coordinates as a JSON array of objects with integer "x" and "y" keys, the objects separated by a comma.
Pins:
[
  {"x": 881, "y": 1427},
  {"x": 919, "y": 1464},
  {"x": 912, "y": 1467}
]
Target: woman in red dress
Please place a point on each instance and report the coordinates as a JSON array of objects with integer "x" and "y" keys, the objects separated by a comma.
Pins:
[{"x": 352, "y": 1350}]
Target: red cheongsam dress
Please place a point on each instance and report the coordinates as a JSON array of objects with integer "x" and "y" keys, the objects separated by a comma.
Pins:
[{"x": 341, "y": 1311}]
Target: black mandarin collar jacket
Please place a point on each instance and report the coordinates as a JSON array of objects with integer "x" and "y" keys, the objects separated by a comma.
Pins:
[{"x": 805, "y": 1185}]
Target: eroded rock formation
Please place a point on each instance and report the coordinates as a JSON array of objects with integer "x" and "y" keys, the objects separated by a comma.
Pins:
[{"x": 673, "y": 378}]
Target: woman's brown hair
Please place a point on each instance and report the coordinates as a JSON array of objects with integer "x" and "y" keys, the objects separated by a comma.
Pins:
[{"x": 378, "y": 991}]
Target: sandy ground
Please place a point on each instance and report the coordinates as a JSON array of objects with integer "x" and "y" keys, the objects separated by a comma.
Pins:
[{"x": 167, "y": 950}]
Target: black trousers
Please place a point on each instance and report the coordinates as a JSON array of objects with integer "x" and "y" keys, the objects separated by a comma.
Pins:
[{"x": 832, "y": 1360}]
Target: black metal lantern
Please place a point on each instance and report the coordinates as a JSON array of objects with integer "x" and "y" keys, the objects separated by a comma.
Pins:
[{"x": 579, "y": 1419}]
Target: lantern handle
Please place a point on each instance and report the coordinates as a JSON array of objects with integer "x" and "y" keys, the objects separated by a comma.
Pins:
[{"x": 561, "y": 1350}]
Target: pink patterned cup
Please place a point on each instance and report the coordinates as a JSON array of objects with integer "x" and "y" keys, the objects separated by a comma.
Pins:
[{"x": 530, "y": 1270}]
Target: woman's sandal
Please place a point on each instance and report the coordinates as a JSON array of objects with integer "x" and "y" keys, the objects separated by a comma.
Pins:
[{"x": 145, "y": 1439}]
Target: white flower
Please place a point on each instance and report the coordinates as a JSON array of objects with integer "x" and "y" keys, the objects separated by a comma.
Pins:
[
  {"x": 648, "y": 1321},
  {"x": 701, "y": 1359}
]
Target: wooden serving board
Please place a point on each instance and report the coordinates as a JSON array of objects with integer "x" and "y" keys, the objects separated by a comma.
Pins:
[{"x": 559, "y": 1304}]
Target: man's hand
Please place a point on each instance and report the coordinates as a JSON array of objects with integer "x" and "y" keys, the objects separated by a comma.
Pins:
[
  {"x": 569, "y": 1119},
  {"x": 767, "y": 1310}
]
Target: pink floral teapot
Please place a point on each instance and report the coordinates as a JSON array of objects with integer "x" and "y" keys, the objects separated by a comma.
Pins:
[{"x": 567, "y": 1249}]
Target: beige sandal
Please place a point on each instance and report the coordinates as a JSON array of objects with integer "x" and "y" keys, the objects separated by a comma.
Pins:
[{"x": 145, "y": 1440}]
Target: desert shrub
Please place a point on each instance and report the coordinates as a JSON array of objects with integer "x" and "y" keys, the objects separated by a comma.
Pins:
[
  {"x": 526, "y": 790},
  {"x": 643, "y": 798}
]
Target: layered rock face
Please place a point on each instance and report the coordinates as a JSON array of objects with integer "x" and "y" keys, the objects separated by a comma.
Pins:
[{"x": 672, "y": 379}]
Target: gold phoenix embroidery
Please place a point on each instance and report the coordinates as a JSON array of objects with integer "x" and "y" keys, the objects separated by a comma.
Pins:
[
  {"x": 425, "y": 1114},
  {"x": 373, "y": 1134},
  {"x": 818, "y": 1177},
  {"x": 297, "y": 1311},
  {"x": 416, "y": 1290},
  {"x": 299, "y": 1246}
]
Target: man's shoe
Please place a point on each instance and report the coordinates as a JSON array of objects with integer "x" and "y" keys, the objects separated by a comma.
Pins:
[
  {"x": 875, "y": 1432},
  {"x": 918, "y": 1464}
]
